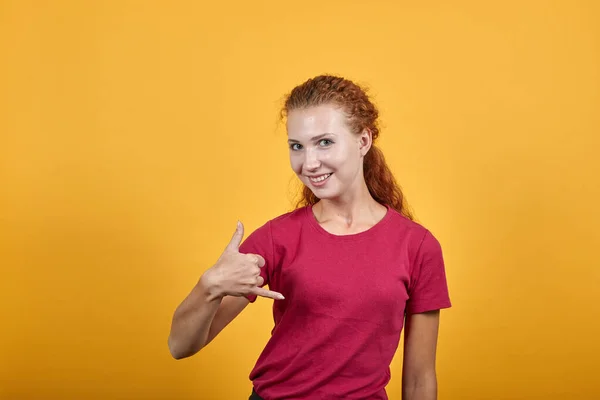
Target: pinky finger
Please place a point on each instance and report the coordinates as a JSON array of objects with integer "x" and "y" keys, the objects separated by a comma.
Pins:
[{"x": 268, "y": 293}]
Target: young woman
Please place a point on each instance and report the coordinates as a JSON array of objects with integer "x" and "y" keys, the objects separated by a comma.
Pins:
[{"x": 347, "y": 270}]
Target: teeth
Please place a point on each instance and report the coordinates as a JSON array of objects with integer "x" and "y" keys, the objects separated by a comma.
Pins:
[{"x": 320, "y": 178}]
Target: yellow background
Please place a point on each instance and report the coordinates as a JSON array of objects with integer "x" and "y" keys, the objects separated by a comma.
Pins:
[{"x": 133, "y": 135}]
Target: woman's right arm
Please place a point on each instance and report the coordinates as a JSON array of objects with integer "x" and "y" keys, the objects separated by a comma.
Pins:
[
  {"x": 200, "y": 317},
  {"x": 217, "y": 298}
]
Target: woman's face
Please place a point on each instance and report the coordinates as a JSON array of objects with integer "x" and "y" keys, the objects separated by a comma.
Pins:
[{"x": 324, "y": 153}]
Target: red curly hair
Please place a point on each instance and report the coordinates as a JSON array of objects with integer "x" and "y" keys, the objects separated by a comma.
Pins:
[{"x": 362, "y": 114}]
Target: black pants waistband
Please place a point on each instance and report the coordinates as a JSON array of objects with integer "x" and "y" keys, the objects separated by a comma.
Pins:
[{"x": 255, "y": 396}]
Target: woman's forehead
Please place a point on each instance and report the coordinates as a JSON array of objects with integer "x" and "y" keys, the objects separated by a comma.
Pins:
[{"x": 309, "y": 122}]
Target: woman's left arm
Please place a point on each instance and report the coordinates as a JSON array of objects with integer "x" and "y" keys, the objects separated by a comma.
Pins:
[{"x": 419, "y": 379}]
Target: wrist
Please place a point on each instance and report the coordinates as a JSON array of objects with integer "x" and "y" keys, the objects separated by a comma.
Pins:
[{"x": 210, "y": 287}]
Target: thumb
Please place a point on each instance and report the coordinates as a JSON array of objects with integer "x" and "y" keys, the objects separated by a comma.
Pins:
[{"x": 236, "y": 239}]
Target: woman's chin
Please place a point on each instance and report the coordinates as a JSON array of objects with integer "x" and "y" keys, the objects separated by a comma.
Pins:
[{"x": 325, "y": 194}]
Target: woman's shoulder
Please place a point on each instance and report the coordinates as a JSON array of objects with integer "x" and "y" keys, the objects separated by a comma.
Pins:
[
  {"x": 401, "y": 221},
  {"x": 288, "y": 219},
  {"x": 277, "y": 230},
  {"x": 412, "y": 230},
  {"x": 273, "y": 229}
]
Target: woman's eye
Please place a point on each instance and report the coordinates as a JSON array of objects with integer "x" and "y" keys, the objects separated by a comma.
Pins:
[
  {"x": 325, "y": 142},
  {"x": 295, "y": 146}
]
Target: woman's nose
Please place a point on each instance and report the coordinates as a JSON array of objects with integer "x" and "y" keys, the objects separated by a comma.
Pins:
[{"x": 311, "y": 161}]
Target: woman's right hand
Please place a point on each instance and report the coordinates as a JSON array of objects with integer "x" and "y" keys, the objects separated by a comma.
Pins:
[{"x": 237, "y": 274}]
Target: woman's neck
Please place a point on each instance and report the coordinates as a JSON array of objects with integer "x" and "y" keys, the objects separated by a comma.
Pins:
[{"x": 360, "y": 210}]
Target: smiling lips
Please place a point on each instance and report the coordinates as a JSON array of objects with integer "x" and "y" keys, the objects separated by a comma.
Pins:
[{"x": 319, "y": 180}]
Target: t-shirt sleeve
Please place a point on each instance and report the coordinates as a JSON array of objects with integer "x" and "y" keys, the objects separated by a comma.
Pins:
[
  {"x": 428, "y": 289},
  {"x": 260, "y": 242}
]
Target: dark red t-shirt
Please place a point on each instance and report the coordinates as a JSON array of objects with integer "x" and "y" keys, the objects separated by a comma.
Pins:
[{"x": 339, "y": 326}]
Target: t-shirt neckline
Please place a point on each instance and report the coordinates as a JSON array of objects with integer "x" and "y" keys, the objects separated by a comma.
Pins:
[{"x": 312, "y": 221}]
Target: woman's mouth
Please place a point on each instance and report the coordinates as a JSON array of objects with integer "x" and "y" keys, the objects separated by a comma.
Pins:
[{"x": 319, "y": 180}]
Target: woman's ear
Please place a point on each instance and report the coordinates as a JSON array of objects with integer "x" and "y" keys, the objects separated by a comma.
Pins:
[{"x": 365, "y": 141}]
